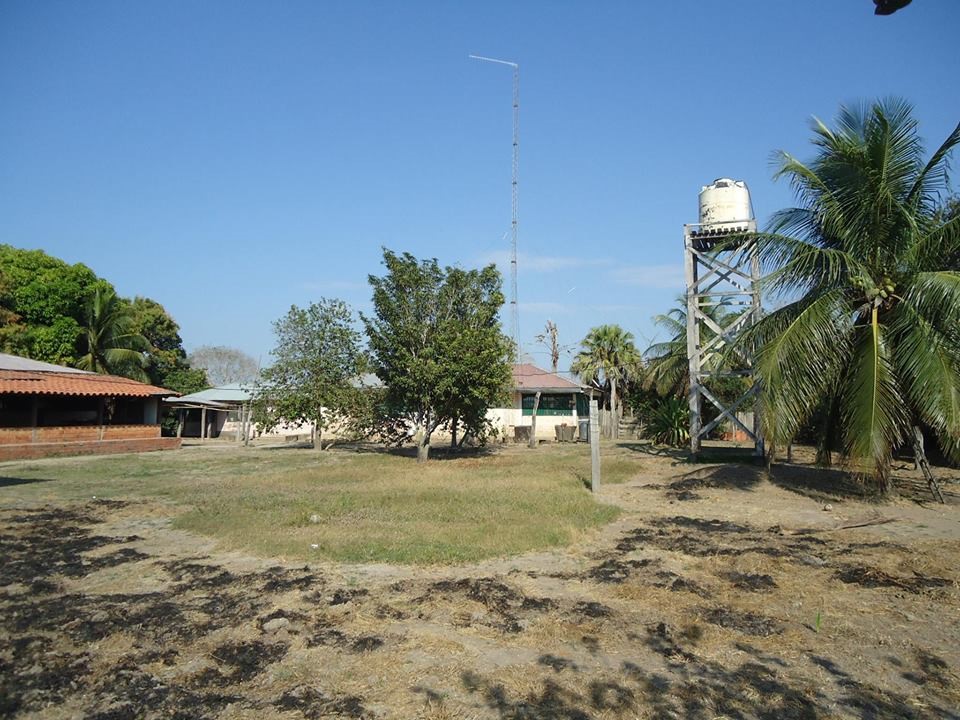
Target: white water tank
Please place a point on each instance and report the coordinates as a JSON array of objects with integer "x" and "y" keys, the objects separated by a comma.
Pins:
[{"x": 724, "y": 204}]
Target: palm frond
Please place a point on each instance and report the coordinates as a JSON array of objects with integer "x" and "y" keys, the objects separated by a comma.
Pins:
[
  {"x": 872, "y": 405},
  {"x": 929, "y": 367},
  {"x": 791, "y": 265},
  {"x": 802, "y": 350},
  {"x": 933, "y": 177}
]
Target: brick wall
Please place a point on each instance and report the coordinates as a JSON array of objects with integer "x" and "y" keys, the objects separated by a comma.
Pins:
[
  {"x": 77, "y": 433},
  {"x": 16, "y": 443},
  {"x": 130, "y": 432},
  {"x": 15, "y": 436},
  {"x": 42, "y": 450}
]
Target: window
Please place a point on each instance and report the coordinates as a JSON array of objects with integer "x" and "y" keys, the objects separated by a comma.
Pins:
[{"x": 550, "y": 404}]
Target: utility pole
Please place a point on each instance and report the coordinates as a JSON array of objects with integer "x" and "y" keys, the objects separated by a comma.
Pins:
[{"x": 515, "y": 201}]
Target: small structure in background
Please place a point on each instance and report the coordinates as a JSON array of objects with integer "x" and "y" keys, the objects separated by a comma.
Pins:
[
  {"x": 558, "y": 401},
  {"x": 214, "y": 412},
  {"x": 48, "y": 410}
]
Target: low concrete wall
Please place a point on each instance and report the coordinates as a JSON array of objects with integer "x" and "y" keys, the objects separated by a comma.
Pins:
[
  {"x": 505, "y": 419},
  {"x": 33, "y": 443}
]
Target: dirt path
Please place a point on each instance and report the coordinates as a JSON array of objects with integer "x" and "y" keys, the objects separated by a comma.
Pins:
[{"x": 717, "y": 594}]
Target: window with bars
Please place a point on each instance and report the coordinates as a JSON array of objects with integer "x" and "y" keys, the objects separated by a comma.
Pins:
[{"x": 558, "y": 404}]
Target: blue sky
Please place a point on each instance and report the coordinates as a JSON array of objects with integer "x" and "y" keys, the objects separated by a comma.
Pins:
[{"x": 229, "y": 159}]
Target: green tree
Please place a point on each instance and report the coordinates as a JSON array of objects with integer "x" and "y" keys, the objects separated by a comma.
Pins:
[
  {"x": 43, "y": 301},
  {"x": 109, "y": 341},
  {"x": 609, "y": 358},
  {"x": 437, "y": 346},
  {"x": 166, "y": 360},
  {"x": 317, "y": 363},
  {"x": 870, "y": 326},
  {"x": 667, "y": 368}
]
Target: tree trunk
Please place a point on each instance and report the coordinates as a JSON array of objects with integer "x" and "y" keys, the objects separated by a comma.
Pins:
[
  {"x": 453, "y": 433},
  {"x": 884, "y": 482},
  {"x": 613, "y": 409},
  {"x": 533, "y": 421},
  {"x": 318, "y": 436},
  {"x": 423, "y": 447},
  {"x": 920, "y": 458}
]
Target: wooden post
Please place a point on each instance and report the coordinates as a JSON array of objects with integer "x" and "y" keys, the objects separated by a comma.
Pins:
[
  {"x": 594, "y": 447},
  {"x": 533, "y": 421},
  {"x": 920, "y": 457},
  {"x": 247, "y": 426},
  {"x": 100, "y": 418},
  {"x": 181, "y": 417},
  {"x": 203, "y": 424},
  {"x": 33, "y": 418},
  {"x": 240, "y": 424}
]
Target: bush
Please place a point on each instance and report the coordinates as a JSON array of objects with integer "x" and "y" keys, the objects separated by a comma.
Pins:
[{"x": 669, "y": 422}]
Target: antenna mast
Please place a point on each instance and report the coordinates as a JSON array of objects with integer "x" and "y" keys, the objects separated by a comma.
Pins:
[{"x": 514, "y": 202}]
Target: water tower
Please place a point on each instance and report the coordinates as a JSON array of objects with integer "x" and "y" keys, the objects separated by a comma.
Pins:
[{"x": 721, "y": 270}]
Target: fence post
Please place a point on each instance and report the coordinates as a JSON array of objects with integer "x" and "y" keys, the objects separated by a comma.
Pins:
[{"x": 594, "y": 448}]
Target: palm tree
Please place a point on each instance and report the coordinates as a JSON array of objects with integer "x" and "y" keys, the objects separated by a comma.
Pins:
[
  {"x": 109, "y": 341},
  {"x": 871, "y": 325},
  {"x": 667, "y": 365},
  {"x": 608, "y": 356}
]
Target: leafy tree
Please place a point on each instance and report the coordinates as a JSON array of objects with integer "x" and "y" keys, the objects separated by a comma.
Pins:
[
  {"x": 109, "y": 341},
  {"x": 437, "y": 345},
  {"x": 45, "y": 307},
  {"x": 42, "y": 300},
  {"x": 317, "y": 363},
  {"x": 871, "y": 327},
  {"x": 609, "y": 358},
  {"x": 225, "y": 365},
  {"x": 166, "y": 361}
]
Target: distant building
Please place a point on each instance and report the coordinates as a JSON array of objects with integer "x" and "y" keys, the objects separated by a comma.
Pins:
[
  {"x": 212, "y": 412},
  {"x": 48, "y": 410},
  {"x": 562, "y": 402}
]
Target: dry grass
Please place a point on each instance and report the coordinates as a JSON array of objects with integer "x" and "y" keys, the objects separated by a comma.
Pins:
[{"x": 350, "y": 504}]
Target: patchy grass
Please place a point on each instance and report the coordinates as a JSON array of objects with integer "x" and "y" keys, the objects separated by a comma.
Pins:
[{"x": 352, "y": 504}]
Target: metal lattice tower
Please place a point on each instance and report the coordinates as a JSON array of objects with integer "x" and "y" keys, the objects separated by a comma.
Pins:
[
  {"x": 729, "y": 277},
  {"x": 514, "y": 201}
]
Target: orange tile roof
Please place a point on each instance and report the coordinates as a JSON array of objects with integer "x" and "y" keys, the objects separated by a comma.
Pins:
[
  {"x": 530, "y": 377},
  {"x": 23, "y": 382}
]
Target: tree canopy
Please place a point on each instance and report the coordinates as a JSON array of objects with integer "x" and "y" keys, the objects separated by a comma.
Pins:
[
  {"x": 224, "y": 365},
  {"x": 64, "y": 314},
  {"x": 608, "y": 359},
  {"x": 109, "y": 341},
  {"x": 317, "y": 365},
  {"x": 44, "y": 303},
  {"x": 870, "y": 332},
  {"x": 437, "y": 345}
]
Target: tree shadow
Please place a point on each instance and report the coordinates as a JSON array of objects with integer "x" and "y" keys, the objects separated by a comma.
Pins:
[
  {"x": 11, "y": 481},
  {"x": 678, "y": 454},
  {"x": 688, "y": 685},
  {"x": 821, "y": 484},
  {"x": 444, "y": 453},
  {"x": 724, "y": 477}
]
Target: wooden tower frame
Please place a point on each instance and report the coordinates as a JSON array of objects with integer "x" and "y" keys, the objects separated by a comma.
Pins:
[{"x": 730, "y": 277}]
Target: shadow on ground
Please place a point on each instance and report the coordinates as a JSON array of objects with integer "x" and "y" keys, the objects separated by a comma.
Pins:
[
  {"x": 695, "y": 688},
  {"x": 646, "y": 448},
  {"x": 11, "y": 481}
]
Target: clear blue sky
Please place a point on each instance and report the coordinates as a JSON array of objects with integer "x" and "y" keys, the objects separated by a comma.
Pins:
[{"x": 229, "y": 159}]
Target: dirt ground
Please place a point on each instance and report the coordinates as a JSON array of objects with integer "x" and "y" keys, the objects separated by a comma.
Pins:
[{"x": 719, "y": 593}]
